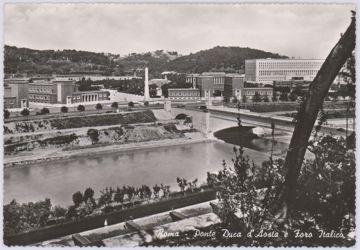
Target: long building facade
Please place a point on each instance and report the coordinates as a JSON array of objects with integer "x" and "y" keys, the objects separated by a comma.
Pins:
[{"x": 269, "y": 70}]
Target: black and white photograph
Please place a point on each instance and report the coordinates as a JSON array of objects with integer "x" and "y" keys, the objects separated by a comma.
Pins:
[{"x": 179, "y": 124}]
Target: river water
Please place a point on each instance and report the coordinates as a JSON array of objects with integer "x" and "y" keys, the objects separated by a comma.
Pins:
[{"x": 59, "y": 180}]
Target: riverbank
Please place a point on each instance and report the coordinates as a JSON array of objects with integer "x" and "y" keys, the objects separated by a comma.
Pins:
[{"x": 54, "y": 155}]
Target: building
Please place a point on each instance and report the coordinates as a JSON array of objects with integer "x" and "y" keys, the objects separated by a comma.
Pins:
[
  {"x": 249, "y": 93},
  {"x": 9, "y": 100},
  {"x": 233, "y": 86},
  {"x": 211, "y": 85},
  {"x": 62, "y": 92},
  {"x": 191, "y": 78},
  {"x": 16, "y": 91},
  {"x": 292, "y": 84},
  {"x": 89, "y": 96},
  {"x": 269, "y": 70},
  {"x": 42, "y": 92},
  {"x": 184, "y": 94}
]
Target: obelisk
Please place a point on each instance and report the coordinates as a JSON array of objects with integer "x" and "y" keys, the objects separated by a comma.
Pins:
[{"x": 146, "y": 87}]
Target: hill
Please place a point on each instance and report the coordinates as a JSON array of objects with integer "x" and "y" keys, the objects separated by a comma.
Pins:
[
  {"x": 30, "y": 61},
  {"x": 228, "y": 59}
]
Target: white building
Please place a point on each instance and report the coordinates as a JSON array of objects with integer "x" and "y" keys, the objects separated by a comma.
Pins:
[{"x": 269, "y": 70}]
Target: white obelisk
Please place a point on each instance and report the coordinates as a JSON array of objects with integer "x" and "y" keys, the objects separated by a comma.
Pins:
[{"x": 146, "y": 88}]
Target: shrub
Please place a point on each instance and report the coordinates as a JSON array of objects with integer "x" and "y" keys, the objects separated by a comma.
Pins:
[
  {"x": 6, "y": 114},
  {"x": 77, "y": 198},
  {"x": 93, "y": 134},
  {"x": 131, "y": 104},
  {"x": 25, "y": 112},
  {"x": 64, "y": 109},
  {"x": 44, "y": 111},
  {"x": 98, "y": 106},
  {"x": 81, "y": 108},
  {"x": 115, "y": 105}
]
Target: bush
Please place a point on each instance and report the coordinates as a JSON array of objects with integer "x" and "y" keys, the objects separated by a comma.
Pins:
[
  {"x": 77, "y": 198},
  {"x": 115, "y": 105},
  {"x": 146, "y": 103},
  {"x": 6, "y": 114},
  {"x": 131, "y": 104},
  {"x": 98, "y": 106},
  {"x": 81, "y": 108},
  {"x": 93, "y": 134},
  {"x": 64, "y": 109},
  {"x": 44, "y": 111},
  {"x": 25, "y": 112}
]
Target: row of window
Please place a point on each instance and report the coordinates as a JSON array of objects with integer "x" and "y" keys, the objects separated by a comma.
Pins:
[
  {"x": 41, "y": 90},
  {"x": 182, "y": 98},
  {"x": 39, "y": 97},
  {"x": 260, "y": 92},
  {"x": 184, "y": 93}
]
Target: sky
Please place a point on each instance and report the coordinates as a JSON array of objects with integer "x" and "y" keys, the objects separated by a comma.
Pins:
[{"x": 294, "y": 30}]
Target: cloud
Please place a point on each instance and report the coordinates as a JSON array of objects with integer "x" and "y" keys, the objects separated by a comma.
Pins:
[{"x": 300, "y": 30}]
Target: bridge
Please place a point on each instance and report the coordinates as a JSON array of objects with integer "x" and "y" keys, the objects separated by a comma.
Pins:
[{"x": 218, "y": 118}]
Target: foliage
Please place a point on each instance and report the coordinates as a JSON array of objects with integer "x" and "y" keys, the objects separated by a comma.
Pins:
[
  {"x": 44, "y": 111},
  {"x": 115, "y": 105},
  {"x": 266, "y": 98},
  {"x": 93, "y": 134},
  {"x": 77, "y": 198},
  {"x": 146, "y": 104},
  {"x": 64, "y": 109},
  {"x": 283, "y": 97},
  {"x": 226, "y": 59},
  {"x": 27, "y": 216},
  {"x": 257, "y": 97},
  {"x": 98, "y": 106},
  {"x": 131, "y": 104},
  {"x": 6, "y": 114},
  {"x": 25, "y": 112},
  {"x": 81, "y": 108}
]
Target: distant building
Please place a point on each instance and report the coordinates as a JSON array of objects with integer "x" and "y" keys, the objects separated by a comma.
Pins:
[
  {"x": 90, "y": 96},
  {"x": 249, "y": 93},
  {"x": 234, "y": 86},
  {"x": 16, "y": 92},
  {"x": 183, "y": 94},
  {"x": 191, "y": 78},
  {"x": 303, "y": 85},
  {"x": 63, "y": 92},
  {"x": 269, "y": 70}
]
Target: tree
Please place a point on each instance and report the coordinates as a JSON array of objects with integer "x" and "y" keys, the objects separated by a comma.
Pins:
[
  {"x": 274, "y": 97},
  {"x": 244, "y": 99},
  {"x": 115, "y": 105},
  {"x": 234, "y": 99},
  {"x": 256, "y": 97},
  {"x": 64, "y": 109},
  {"x": 98, "y": 106},
  {"x": 25, "y": 112},
  {"x": 88, "y": 194},
  {"x": 131, "y": 104},
  {"x": 77, "y": 198},
  {"x": 266, "y": 98},
  {"x": 93, "y": 134},
  {"x": 293, "y": 96},
  {"x": 283, "y": 97},
  {"x": 308, "y": 113},
  {"x": 6, "y": 114},
  {"x": 81, "y": 108},
  {"x": 45, "y": 111}
]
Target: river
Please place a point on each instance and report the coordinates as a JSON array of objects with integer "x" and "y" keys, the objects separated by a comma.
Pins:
[{"x": 59, "y": 180}]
